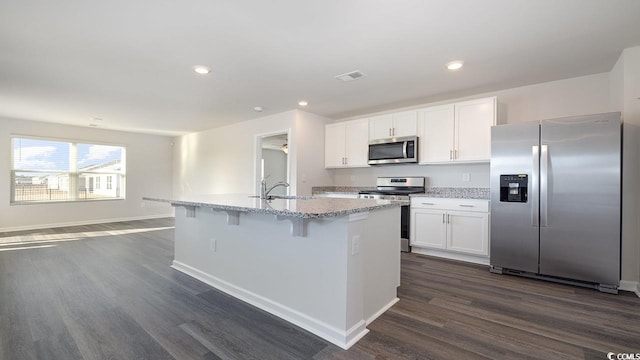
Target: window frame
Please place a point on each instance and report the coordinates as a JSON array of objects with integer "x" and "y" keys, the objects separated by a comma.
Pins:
[{"x": 73, "y": 173}]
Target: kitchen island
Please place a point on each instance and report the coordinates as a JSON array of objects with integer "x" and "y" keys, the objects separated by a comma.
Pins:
[{"x": 330, "y": 266}]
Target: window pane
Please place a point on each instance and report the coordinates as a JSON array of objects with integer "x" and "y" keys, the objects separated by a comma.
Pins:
[
  {"x": 49, "y": 170},
  {"x": 34, "y": 154},
  {"x": 100, "y": 158},
  {"x": 91, "y": 186},
  {"x": 41, "y": 186}
]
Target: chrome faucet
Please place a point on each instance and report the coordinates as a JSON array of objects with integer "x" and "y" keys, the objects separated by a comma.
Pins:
[{"x": 264, "y": 192}]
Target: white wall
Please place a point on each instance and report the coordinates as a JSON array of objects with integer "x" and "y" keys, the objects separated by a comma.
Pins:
[
  {"x": 310, "y": 154},
  {"x": 570, "y": 97},
  {"x": 149, "y": 169},
  {"x": 625, "y": 97},
  {"x": 223, "y": 160}
]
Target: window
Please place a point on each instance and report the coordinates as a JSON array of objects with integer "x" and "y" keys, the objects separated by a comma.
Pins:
[{"x": 44, "y": 170}]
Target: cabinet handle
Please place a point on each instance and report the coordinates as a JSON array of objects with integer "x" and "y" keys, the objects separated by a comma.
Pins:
[
  {"x": 455, "y": 154},
  {"x": 428, "y": 204},
  {"x": 346, "y": 161},
  {"x": 462, "y": 205},
  {"x": 389, "y": 131},
  {"x": 450, "y": 154},
  {"x": 443, "y": 218},
  {"x": 448, "y": 219}
]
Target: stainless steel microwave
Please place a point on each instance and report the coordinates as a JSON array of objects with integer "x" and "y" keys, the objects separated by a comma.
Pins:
[{"x": 394, "y": 150}]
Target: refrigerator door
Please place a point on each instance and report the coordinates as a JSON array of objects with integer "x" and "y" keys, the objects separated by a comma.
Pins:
[
  {"x": 581, "y": 205},
  {"x": 514, "y": 225}
]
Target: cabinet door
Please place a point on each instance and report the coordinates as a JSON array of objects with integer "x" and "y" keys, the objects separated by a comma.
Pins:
[
  {"x": 380, "y": 127},
  {"x": 468, "y": 232},
  {"x": 473, "y": 121},
  {"x": 357, "y": 143},
  {"x": 436, "y": 139},
  {"x": 428, "y": 228},
  {"x": 405, "y": 123},
  {"x": 334, "y": 148}
]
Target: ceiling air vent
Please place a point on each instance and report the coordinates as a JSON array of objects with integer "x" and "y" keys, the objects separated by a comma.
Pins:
[{"x": 350, "y": 76}]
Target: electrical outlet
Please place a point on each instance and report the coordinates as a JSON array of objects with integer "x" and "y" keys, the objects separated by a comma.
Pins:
[
  {"x": 466, "y": 177},
  {"x": 212, "y": 245},
  {"x": 355, "y": 245}
]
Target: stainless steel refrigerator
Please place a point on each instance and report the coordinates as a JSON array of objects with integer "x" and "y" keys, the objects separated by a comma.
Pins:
[{"x": 555, "y": 200}]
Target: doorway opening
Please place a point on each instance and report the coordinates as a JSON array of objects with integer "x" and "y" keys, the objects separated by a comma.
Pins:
[{"x": 272, "y": 161}]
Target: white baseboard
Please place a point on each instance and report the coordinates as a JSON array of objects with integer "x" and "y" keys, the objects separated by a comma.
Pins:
[
  {"x": 482, "y": 260},
  {"x": 87, "y": 222},
  {"x": 343, "y": 339},
  {"x": 382, "y": 310},
  {"x": 632, "y": 286}
]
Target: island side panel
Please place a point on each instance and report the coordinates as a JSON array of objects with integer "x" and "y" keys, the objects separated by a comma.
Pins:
[
  {"x": 301, "y": 279},
  {"x": 381, "y": 252}
]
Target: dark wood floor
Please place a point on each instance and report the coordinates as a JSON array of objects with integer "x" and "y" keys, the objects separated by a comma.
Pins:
[{"x": 107, "y": 292}]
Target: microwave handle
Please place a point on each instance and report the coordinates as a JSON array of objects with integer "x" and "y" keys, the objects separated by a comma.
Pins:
[{"x": 404, "y": 149}]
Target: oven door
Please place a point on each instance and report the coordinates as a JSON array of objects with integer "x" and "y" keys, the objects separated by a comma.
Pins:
[{"x": 395, "y": 150}]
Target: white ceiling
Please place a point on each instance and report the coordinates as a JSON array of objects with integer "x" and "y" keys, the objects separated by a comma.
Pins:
[{"x": 130, "y": 62}]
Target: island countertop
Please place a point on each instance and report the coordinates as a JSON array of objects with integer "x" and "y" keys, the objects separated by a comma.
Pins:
[{"x": 305, "y": 207}]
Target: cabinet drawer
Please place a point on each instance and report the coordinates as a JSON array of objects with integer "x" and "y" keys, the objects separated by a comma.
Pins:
[{"x": 474, "y": 205}]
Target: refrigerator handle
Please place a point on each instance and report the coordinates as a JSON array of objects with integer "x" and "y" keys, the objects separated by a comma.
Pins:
[
  {"x": 544, "y": 183},
  {"x": 535, "y": 187}
]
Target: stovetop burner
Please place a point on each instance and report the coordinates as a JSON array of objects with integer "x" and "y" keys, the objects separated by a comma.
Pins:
[{"x": 395, "y": 188}]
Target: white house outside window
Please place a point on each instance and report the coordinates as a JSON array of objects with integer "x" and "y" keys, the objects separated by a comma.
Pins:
[{"x": 45, "y": 170}]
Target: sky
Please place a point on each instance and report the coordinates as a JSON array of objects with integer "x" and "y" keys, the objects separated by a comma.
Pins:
[{"x": 36, "y": 154}]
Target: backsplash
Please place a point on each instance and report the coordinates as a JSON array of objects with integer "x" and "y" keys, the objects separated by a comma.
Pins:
[{"x": 450, "y": 175}]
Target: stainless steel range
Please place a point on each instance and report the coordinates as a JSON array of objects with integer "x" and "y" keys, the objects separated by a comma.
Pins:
[{"x": 397, "y": 188}]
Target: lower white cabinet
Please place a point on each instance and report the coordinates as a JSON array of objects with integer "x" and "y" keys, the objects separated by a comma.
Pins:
[{"x": 452, "y": 228}]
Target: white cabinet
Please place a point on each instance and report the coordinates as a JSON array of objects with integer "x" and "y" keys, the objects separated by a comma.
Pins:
[
  {"x": 436, "y": 138},
  {"x": 452, "y": 228},
  {"x": 393, "y": 125},
  {"x": 346, "y": 144},
  {"x": 459, "y": 132}
]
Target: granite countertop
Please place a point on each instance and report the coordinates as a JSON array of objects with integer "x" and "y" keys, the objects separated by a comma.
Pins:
[
  {"x": 456, "y": 193},
  {"x": 300, "y": 207}
]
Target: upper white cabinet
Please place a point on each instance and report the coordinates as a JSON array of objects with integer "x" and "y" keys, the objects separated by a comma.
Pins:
[
  {"x": 346, "y": 144},
  {"x": 393, "y": 125},
  {"x": 459, "y": 132},
  {"x": 436, "y": 138}
]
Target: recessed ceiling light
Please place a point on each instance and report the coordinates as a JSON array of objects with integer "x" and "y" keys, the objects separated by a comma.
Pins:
[
  {"x": 454, "y": 65},
  {"x": 258, "y": 109},
  {"x": 94, "y": 118},
  {"x": 303, "y": 103},
  {"x": 203, "y": 70},
  {"x": 93, "y": 125}
]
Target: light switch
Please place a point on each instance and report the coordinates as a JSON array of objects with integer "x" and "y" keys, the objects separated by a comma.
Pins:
[{"x": 466, "y": 177}]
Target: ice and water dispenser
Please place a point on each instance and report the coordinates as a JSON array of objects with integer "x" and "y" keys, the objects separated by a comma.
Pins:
[{"x": 513, "y": 188}]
